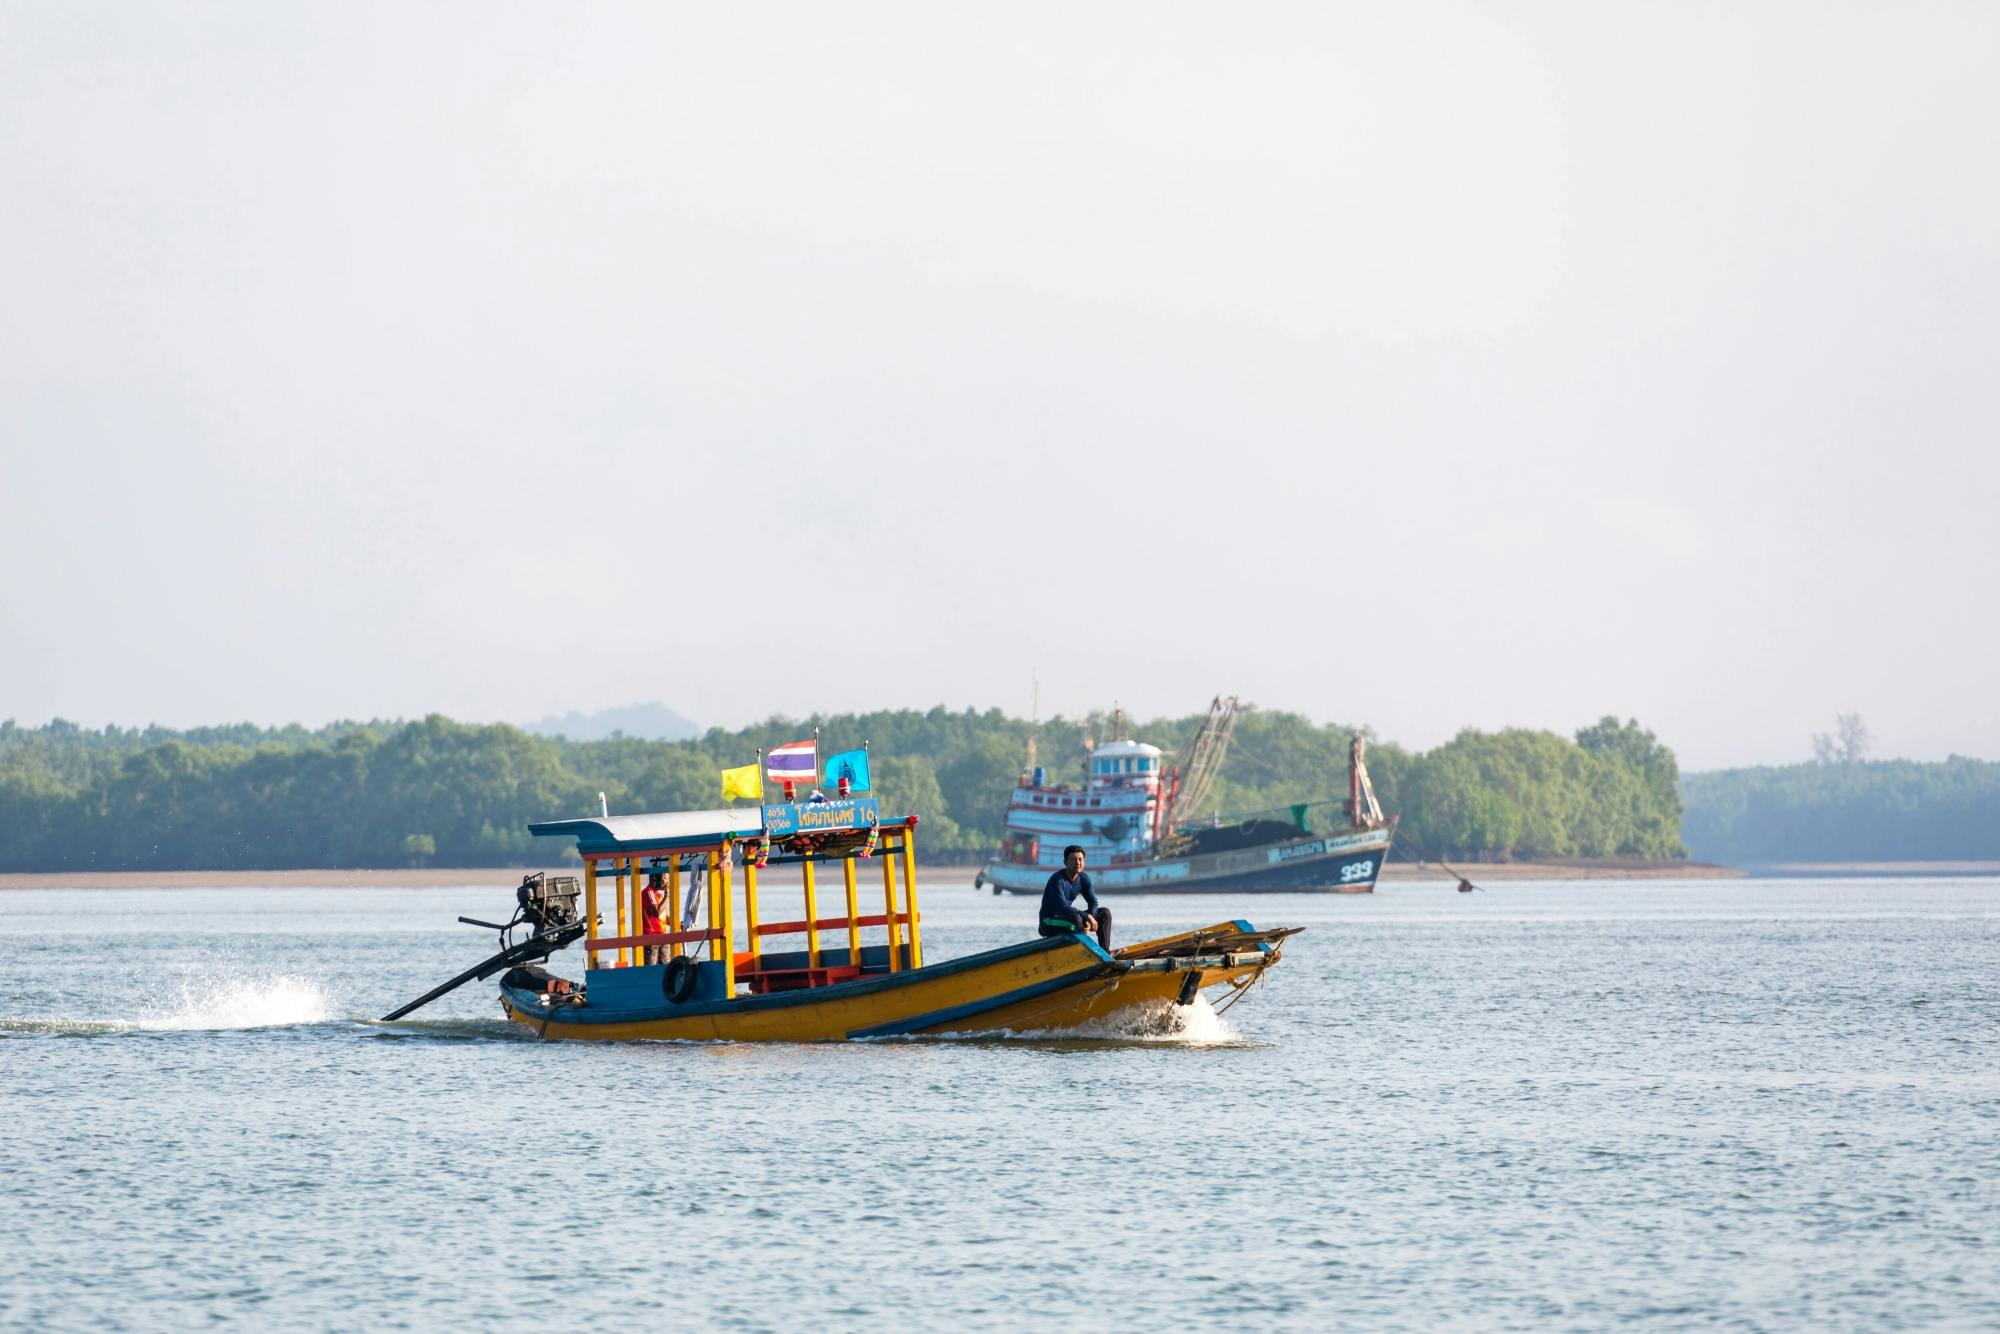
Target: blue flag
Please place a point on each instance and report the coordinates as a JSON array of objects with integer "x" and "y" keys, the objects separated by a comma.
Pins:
[{"x": 851, "y": 765}]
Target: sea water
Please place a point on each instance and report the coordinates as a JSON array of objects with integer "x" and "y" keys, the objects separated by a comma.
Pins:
[{"x": 1734, "y": 1104}]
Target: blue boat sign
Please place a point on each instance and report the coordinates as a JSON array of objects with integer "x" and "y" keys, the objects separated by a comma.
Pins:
[{"x": 796, "y": 817}]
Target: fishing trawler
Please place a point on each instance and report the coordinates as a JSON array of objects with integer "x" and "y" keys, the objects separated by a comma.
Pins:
[
  {"x": 1128, "y": 819},
  {"x": 838, "y": 979}
]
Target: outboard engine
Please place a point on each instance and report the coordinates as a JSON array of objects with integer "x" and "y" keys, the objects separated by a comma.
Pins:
[
  {"x": 546, "y": 905},
  {"x": 547, "y": 902}
]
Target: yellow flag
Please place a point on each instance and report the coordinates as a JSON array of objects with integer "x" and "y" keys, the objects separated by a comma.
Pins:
[{"x": 744, "y": 782}]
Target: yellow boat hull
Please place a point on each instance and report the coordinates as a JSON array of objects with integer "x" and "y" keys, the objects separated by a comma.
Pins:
[{"x": 1050, "y": 985}]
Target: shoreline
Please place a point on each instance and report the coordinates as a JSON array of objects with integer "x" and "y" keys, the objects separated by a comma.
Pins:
[
  {"x": 942, "y": 877},
  {"x": 1610, "y": 868},
  {"x": 946, "y": 877},
  {"x": 331, "y": 878}
]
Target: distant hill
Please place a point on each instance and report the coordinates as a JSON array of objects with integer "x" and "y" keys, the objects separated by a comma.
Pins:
[{"x": 642, "y": 722}]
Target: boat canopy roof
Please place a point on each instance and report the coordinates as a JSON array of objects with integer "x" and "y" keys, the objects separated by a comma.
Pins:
[
  {"x": 616, "y": 833},
  {"x": 667, "y": 830}
]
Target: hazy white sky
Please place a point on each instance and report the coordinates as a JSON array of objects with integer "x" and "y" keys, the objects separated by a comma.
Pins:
[{"x": 1424, "y": 365}]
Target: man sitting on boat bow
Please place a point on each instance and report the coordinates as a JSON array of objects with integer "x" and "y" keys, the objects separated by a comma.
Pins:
[{"x": 1059, "y": 913}]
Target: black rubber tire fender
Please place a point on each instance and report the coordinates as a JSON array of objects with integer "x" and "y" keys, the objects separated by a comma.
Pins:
[
  {"x": 1190, "y": 988},
  {"x": 677, "y": 982}
]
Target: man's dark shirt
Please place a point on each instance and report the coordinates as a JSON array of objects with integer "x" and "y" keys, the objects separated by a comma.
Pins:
[{"x": 1061, "y": 892}]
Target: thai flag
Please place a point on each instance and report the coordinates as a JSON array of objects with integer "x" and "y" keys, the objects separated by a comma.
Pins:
[{"x": 794, "y": 762}]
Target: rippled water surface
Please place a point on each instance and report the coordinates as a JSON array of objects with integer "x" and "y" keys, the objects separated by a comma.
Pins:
[{"x": 1743, "y": 1104}]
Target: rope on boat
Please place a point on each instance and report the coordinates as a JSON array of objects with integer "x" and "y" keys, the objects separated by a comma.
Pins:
[{"x": 1242, "y": 989}]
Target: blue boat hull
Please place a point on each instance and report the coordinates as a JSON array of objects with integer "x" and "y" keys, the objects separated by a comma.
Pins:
[{"x": 1340, "y": 864}]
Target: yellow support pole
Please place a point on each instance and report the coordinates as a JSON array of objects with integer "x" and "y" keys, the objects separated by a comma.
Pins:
[
  {"x": 750, "y": 910},
  {"x": 889, "y": 897},
  {"x": 910, "y": 894},
  {"x": 635, "y": 955},
  {"x": 674, "y": 900},
  {"x": 618, "y": 871},
  {"x": 639, "y": 905},
  {"x": 853, "y": 914},
  {"x": 624, "y": 955},
  {"x": 589, "y": 910},
  {"x": 726, "y": 883},
  {"x": 812, "y": 917},
  {"x": 714, "y": 910}
]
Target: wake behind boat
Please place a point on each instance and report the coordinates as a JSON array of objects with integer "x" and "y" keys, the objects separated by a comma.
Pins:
[{"x": 696, "y": 983}]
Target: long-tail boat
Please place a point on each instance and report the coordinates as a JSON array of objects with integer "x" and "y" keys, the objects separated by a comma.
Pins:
[{"x": 854, "y": 974}]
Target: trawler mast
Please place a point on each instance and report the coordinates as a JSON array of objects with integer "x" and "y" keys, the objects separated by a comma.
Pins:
[{"x": 1193, "y": 781}]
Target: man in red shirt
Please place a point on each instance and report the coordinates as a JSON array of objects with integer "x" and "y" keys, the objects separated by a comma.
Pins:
[{"x": 652, "y": 915}]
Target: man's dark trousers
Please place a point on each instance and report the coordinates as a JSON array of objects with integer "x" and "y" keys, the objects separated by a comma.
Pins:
[{"x": 1103, "y": 916}]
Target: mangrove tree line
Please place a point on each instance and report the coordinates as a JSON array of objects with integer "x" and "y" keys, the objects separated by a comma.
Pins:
[{"x": 385, "y": 794}]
